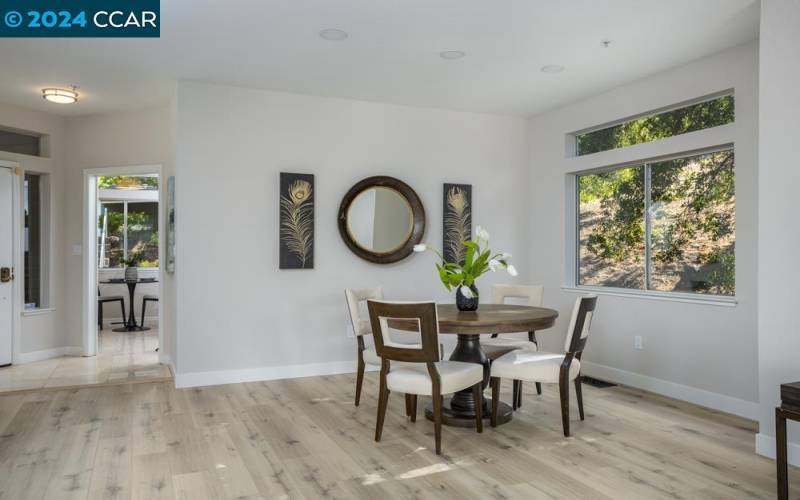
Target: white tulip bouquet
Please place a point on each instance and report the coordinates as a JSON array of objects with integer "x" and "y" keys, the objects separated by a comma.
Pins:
[{"x": 477, "y": 261}]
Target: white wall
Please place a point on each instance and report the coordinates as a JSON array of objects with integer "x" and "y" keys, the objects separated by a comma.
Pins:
[
  {"x": 235, "y": 309},
  {"x": 129, "y": 138},
  {"x": 779, "y": 238},
  {"x": 699, "y": 352},
  {"x": 41, "y": 330}
]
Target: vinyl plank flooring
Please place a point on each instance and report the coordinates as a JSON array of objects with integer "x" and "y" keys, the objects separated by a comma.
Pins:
[{"x": 304, "y": 439}]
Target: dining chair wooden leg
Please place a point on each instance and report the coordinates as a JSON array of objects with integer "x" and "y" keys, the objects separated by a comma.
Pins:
[
  {"x": 408, "y": 405},
  {"x": 519, "y": 395},
  {"x": 579, "y": 394},
  {"x": 477, "y": 397},
  {"x": 124, "y": 316},
  {"x": 359, "y": 378},
  {"x": 563, "y": 387},
  {"x": 383, "y": 402},
  {"x": 539, "y": 388},
  {"x": 413, "y": 407},
  {"x": 495, "y": 383},
  {"x": 437, "y": 421},
  {"x": 100, "y": 316}
]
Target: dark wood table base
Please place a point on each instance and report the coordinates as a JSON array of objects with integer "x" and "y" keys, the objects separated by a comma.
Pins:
[
  {"x": 459, "y": 410},
  {"x": 462, "y": 418}
]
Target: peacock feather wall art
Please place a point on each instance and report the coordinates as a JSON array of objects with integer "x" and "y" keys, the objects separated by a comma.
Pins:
[
  {"x": 457, "y": 221},
  {"x": 296, "y": 221}
]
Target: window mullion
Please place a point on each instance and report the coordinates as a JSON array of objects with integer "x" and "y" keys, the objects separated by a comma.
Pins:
[
  {"x": 648, "y": 227},
  {"x": 125, "y": 230}
]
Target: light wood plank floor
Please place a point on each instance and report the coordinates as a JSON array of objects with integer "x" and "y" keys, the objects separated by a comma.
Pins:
[
  {"x": 122, "y": 358},
  {"x": 303, "y": 438}
]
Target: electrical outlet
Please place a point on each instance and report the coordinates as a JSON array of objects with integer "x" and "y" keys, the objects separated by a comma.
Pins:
[{"x": 637, "y": 343}]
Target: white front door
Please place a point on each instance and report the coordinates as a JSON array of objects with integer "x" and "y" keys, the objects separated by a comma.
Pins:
[{"x": 6, "y": 264}]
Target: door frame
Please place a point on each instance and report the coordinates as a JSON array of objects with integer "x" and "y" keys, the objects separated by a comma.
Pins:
[
  {"x": 89, "y": 302},
  {"x": 17, "y": 218}
]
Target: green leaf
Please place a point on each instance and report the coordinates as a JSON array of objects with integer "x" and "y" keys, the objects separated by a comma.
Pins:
[
  {"x": 468, "y": 259},
  {"x": 472, "y": 245}
]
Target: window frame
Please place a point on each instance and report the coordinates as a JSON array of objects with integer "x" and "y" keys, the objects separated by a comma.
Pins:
[
  {"x": 125, "y": 231},
  {"x": 646, "y": 292},
  {"x": 573, "y": 136},
  {"x": 45, "y": 247}
]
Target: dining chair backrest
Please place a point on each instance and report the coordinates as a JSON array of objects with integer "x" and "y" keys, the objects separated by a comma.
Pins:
[
  {"x": 579, "y": 324},
  {"x": 532, "y": 294},
  {"x": 422, "y": 314},
  {"x": 354, "y": 297}
]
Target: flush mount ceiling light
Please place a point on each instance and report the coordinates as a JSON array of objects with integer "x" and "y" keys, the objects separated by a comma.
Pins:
[
  {"x": 333, "y": 35},
  {"x": 452, "y": 54},
  {"x": 60, "y": 96},
  {"x": 552, "y": 68}
]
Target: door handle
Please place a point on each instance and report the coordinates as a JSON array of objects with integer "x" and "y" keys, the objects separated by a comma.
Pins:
[{"x": 6, "y": 274}]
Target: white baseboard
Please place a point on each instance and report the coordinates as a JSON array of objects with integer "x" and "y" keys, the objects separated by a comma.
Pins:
[
  {"x": 195, "y": 379},
  {"x": 765, "y": 445},
  {"x": 30, "y": 357},
  {"x": 713, "y": 400}
]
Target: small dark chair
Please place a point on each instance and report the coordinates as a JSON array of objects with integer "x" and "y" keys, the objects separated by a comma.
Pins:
[
  {"x": 418, "y": 371},
  {"x": 102, "y": 299},
  {"x": 145, "y": 298},
  {"x": 550, "y": 368}
]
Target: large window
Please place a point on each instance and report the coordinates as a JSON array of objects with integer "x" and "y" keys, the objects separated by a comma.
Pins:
[
  {"x": 127, "y": 225},
  {"x": 689, "y": 118},
  {"x": 35, "y": 203},
  {"x": 666, "y": 226},
  {"x": 127, "y": 228}
]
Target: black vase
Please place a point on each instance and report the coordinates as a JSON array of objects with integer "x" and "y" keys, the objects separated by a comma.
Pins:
[{"x": 465, "y": 304}]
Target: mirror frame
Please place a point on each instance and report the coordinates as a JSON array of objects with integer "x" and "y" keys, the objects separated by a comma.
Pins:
[{"x": 417, "y": 213}]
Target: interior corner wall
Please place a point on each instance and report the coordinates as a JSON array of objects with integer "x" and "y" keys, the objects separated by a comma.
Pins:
[
  {"x": 779, "y": 238},
  {"x": 698, "y": 352},
  {"x": 239, "y": 316},
  {"x": 42, "y": 335},
  {"x": 125, "y": 138}
]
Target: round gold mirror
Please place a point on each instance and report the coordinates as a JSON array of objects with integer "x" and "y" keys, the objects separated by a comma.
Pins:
[{"x": 381, "y": 219}]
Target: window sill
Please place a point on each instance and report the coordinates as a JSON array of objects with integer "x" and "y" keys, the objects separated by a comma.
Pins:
[
  {"x": 39, "y": 311},
  {"x": 708, "y": 300}
]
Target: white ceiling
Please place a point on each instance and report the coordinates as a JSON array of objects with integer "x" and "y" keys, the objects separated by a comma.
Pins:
[{"x": 391, "y": 55}]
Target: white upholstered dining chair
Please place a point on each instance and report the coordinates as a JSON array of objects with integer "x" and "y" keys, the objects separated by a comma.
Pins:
[
  {"x": 497, "y": 345},
  {"x": 550, "y": 368},
  {"x": 361, "y": 327},
  {"x": 418, "y": 371}
]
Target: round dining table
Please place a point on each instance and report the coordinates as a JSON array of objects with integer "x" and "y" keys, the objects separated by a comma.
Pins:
[{"x": 459, "y": 410}]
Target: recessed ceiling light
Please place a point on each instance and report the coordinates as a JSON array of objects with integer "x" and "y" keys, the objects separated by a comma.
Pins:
[
  {"x": 60, "y": 96},
  {"x": 333, "y": 35},
  {"x": 552, "y": 68},
  {"x": 452, "y": 54}
]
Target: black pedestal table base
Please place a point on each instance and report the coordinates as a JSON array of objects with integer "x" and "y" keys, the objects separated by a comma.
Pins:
[{"x": 131, "y": 325}]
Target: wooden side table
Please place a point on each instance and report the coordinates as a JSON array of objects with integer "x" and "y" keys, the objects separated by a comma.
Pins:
[{"x": 789, "y": 409}]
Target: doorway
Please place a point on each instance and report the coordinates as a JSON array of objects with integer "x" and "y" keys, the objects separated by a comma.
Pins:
[{"x": 123, "y": 248}]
